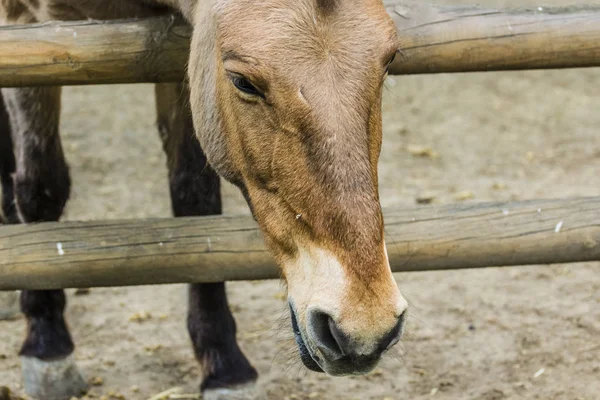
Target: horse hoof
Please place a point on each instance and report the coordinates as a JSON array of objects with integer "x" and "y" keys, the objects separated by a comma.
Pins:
[
  {"x": 9, "y": 305},
  {"x": 52, "y": 380},
  {"x": 247, "y": 391}
]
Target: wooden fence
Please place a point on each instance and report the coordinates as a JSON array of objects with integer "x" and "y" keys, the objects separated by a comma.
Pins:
[
  {"x": 434, "y": 39},
  {"x": 207, "y": 249}
]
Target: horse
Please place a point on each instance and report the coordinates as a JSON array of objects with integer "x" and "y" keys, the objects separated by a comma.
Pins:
[{"x": 283, "y": 99}]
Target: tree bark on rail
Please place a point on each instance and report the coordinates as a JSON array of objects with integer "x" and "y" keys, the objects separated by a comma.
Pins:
[
  {"x": 210, "y": 249},
  {"x": 434, "y": 39}
]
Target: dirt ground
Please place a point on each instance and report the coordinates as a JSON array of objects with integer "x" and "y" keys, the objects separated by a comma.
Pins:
[{"x": 514, "y": 333}]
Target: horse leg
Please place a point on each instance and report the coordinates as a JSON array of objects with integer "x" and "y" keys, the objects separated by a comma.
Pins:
[
  {"x": 7, "y": 167},
  {"x": 195, "y": 190},
  {"x": 41, "y": 187},
  {"x": 9, "y": 301}
]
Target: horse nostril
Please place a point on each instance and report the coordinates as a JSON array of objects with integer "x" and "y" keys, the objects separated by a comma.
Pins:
[
  {"x": 394, "y": 335},
  {"x": 332, "y": 342},
  {"x": 336, "y": 345},
  {"x": 342, "y": 341}
]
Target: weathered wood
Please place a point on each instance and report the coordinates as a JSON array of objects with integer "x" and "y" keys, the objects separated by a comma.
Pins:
[
  {"x": 94, "y": 52},
  {"x": 463, "y": 39},
  {"x": 433, "y": 39},
  {"x": 205, "y": 249}
]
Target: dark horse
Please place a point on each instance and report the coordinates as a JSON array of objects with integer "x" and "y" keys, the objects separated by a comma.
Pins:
[{"x": 283, "y": 98}]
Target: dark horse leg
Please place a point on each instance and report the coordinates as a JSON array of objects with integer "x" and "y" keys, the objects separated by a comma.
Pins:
[
  {"x": 195, "y": 190},
  {"x": 37, "y": 191},
  {"x": 9, "y": 301},
  {"x": 7, "y": 167}
]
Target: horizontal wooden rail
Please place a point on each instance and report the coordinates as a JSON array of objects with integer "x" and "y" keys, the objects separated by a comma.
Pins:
[
  {"x": 94, "y": 52},
  {"x": 465, "y": 39},
  {"x": 434, "y": 39},
  {"x": 207, "y": 249}
]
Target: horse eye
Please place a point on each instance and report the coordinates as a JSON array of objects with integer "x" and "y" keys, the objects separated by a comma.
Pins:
[{"x": 244, "y": 85}]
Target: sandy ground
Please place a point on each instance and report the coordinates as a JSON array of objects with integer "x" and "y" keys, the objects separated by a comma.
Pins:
[{"x": 514, "y": 333}]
